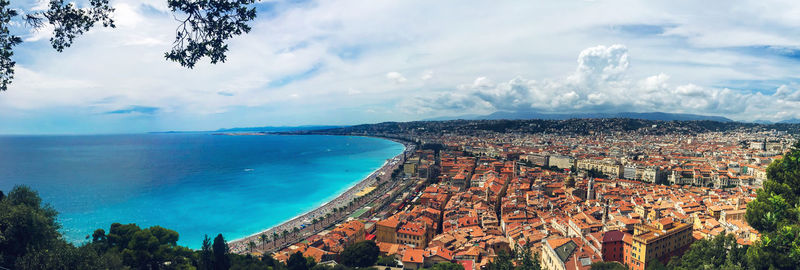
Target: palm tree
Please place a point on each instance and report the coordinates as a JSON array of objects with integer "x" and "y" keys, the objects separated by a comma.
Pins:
[
  {"x": 251, "y": 245},
  {"x": 275, "y": 239},
  {"x": 295, "y": 231},
  {"x": 264, "y": 239},
  {"x": 314, "y": 222},
  {"x": 285, "y": 233}
]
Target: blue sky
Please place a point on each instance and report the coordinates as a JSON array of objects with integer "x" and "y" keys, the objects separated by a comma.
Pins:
[{"x": 349, "y": 62}]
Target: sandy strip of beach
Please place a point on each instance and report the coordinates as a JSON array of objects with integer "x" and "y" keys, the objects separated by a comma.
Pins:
[{"x": 240, "y": 245}]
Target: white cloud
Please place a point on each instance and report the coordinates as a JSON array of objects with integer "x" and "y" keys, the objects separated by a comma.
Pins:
[
  {"x": 41, "y": 5},
  {"x": 601, "y": 84},
  {"x": 788, "y": 93},
  {"x": 427, "y": 75},
  {"x": 600, "y": 63},
  {"x": 127, "y": 15},
  {"x": 396, "y": 77},
  {"x": 43, "y": 90},
  {"x": 43, "y": 33},
  {"x": 342, "y": 56}
]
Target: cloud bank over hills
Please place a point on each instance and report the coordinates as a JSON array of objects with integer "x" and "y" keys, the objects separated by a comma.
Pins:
[
  {"x": 658, "y": 116},
  {"x": 601, "y": 86}
]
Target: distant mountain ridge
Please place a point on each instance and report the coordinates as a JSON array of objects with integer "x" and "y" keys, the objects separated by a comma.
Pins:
[
  {"x": 425, "y": 129},
  {"x": 656, "y": 116},
  {"x": 790, "y": 121},
  {"x": 276, "y": 129},
  {"x": 785, "y": 121}
]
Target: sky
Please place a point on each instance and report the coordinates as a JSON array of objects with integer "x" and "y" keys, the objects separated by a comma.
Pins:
[{"x": 340, "y": 62}]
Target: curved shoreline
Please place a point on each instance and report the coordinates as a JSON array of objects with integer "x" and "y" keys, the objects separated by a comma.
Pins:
[{"x": 239, "y": 245}]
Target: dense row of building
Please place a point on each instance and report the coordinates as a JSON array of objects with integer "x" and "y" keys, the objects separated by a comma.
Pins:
[
  {"x": 485, "y": 195},
  {"x": 709, "y": 159}
]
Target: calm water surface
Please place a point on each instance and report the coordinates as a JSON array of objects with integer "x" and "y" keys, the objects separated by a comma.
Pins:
[{"x": 195, "y": 184}]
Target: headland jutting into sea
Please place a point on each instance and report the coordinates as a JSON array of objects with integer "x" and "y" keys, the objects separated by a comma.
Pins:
[{"x": 329, "y": 213}]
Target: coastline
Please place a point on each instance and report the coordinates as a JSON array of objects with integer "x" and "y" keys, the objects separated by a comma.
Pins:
[{"x": 239, "y": 245}]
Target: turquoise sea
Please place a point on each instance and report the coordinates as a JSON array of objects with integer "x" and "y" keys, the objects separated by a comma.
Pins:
[{"x": 195, "y": 184}]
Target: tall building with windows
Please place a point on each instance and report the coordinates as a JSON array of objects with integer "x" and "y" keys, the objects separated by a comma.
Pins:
[
  {"x": 562, "y": 162},
  {"x": 611, "y": 168},
  {"x": 659, "y": 240}
]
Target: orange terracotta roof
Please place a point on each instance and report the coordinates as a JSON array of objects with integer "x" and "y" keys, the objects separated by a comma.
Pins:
[{"x": 414, "y": 255}]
